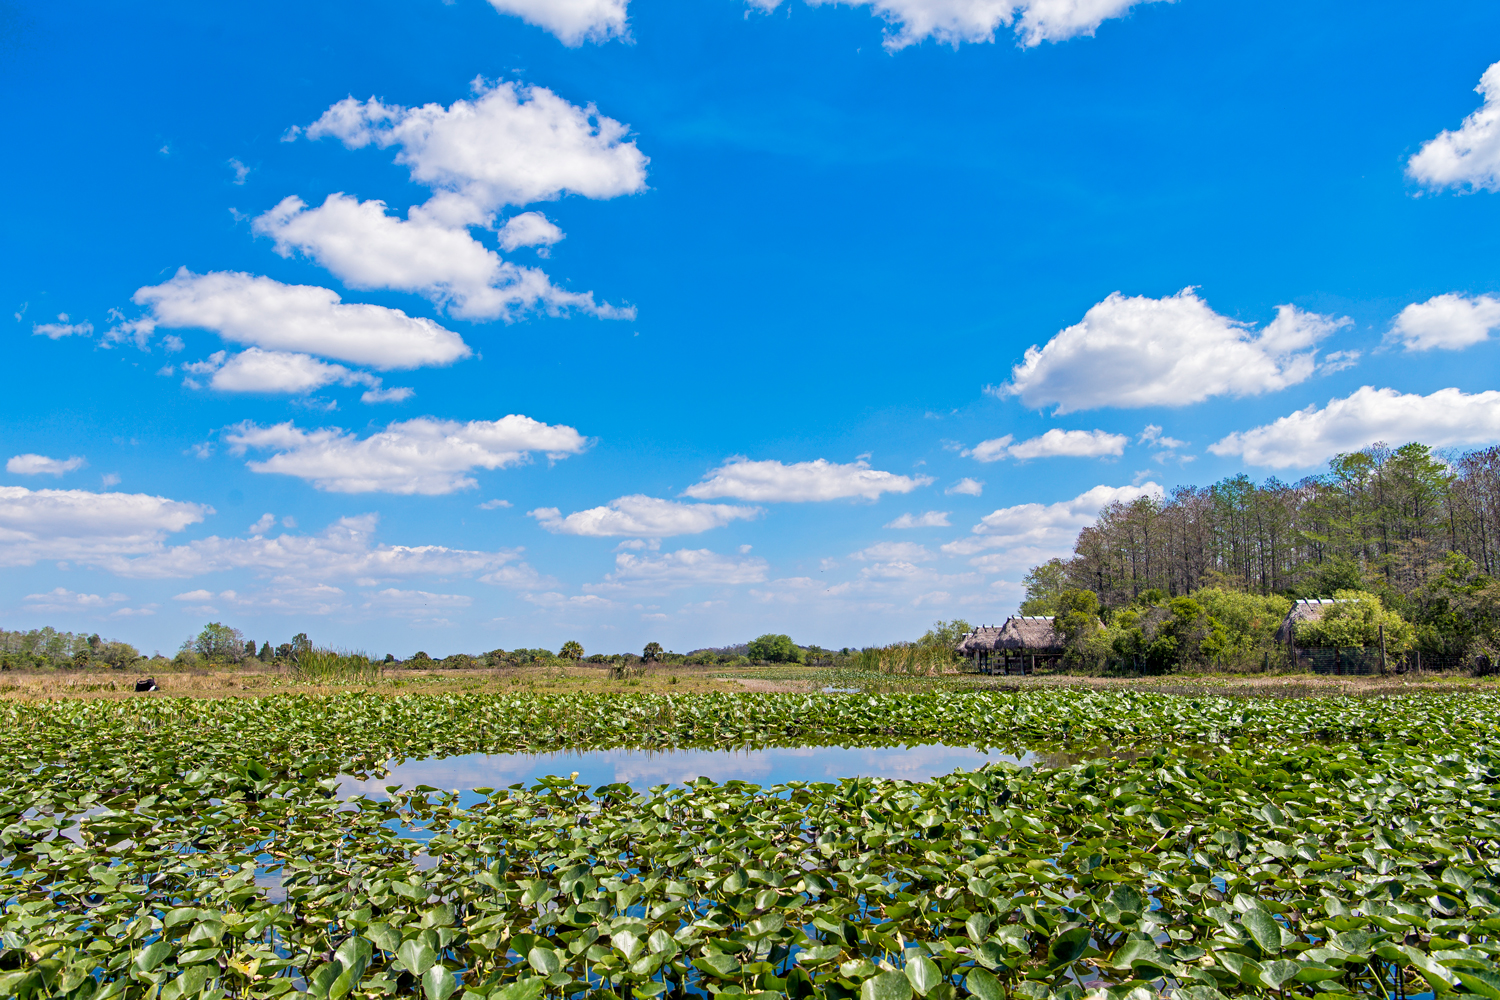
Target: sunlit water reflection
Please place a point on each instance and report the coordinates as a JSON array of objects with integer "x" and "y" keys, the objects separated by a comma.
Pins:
[{"x": 644, "y": 768}]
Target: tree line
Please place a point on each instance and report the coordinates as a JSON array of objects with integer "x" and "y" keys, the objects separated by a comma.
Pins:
[
  {"x": 47, "y": 647},
  {"x": 1412, "y": 529}
]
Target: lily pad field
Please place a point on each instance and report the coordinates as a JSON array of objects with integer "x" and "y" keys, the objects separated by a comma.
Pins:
[{"x": 1156, "y": 846}]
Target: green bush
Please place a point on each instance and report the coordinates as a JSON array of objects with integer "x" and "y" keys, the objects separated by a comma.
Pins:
[
  {"x": 1249, "y": 621},
  {"x": 774, "y": 648},
  {"x": 1355, "y": 620}
]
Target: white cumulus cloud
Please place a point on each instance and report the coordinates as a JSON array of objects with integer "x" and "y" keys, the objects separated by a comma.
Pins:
[
  {"x": 62, "y": 328},
  {"x": 966, "y": 487},
  {"x": 1139, "y": 351},
  {"x": 572, "y": 21},
  {"x": 931, "y": 519},
  {"x": 683, "y": 568},
  {"x": 288, "y": 597},
  {"x": 1450, "y": 322},
  {"x": 250, "y": 309},
  {"x": 60, "y": 600},
  {"x": 529, "y": 229},
  {"x": 906, "y": 552},
  {"x": 1469, "y": 156},
  {"x": 1031, "y": 533},
  {"x": 86, "y": 527},
  {"x": 510, "y": 145},
  {"x": 639, "y": 516},
  {"x": 1312, "y": 436},
  {"x": 394, "y": 394},
  {"x": 368, "y": 248},
  {"x": 423, "y": 456},
  {"x": 255, "y": 370},
  {"x": 1054, "y": 443},
  {"x": 414, "y": 603},
  {"x": 40, "y": 465},
  {"x": 345, "y": 549},
  {"x": 953, "y": 21},
  {"x": 772, "y": 481}
]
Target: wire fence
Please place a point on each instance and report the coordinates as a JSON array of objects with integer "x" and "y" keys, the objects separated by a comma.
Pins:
[
  {"x": 1369, "y": 660},
  {"x": 1342, "y": 661}
]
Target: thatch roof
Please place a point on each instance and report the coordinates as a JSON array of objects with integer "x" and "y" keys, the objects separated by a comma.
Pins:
[
  {"x": 1020, "y": 632},
  {"x": 1030, "y": 632},
  {"x": 982, "y": 637},
  {"x": 1305, "y": 610}
]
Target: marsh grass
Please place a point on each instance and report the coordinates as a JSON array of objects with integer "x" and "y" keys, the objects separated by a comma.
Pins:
[
  {"x": 250, "y": 680},
  {"x": 334, "y": 666}
]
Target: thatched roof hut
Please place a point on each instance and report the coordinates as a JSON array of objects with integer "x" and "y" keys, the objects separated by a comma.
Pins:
[
  {"x": 1019, "y": 634},
  {"x": 982, "y": 638},
  {"x": 1305, "y": 610},
  {"x": 1031, "y": 634}
]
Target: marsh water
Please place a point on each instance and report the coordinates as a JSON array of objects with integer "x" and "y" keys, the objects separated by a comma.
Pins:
[{"x": 642, "y": 769}]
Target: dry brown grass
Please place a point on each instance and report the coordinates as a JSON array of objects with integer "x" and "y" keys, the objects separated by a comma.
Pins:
[{"x": 258, "y": 680}]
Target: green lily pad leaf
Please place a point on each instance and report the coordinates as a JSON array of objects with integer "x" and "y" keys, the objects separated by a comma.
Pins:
[
  {"x": 1131, "y": 903},
  {"x": 630, "y": 946},
  {"x": 990, "y": 955},
  {"x": 1274, "y": 973},
  {"x": 354, "y": 955},
  {"x": 323, "y": 978},
  {"x": 1068, "y": 947},
  {"x": 1139, "y": 950},
  {"x": 438, "y": 983},
  {"x": 525, "y": 989},
  {"x": 342, "y": 985},
  {"x": 818, "y": 954},
  {"x": 984, "y": 985},
  {"x": 978, "y": 926},
  {"x": 857, "y": 968},
  {"x": 416, "y": 956},
  {"x": 1264, "y": 930},
  {"x": 151, "y": 956},
  {"x": 1357, "y": 944},
  {"x": 385, "y": 936},
  {"x": 1249, "y": 973},
  {"x": 1232, "y": 961},
  {"x": 923, "y": 974},
  {"x": 1439, "y": 978},
  {"x": 886, "y": 986},
  {"x": 719, "y": 965},
  {"x": 1198, "y": 993},
  {"x": 768, "y": 923},
  {"x": 548, "y": 962},
  {"x": 1317, "y": 972},
  {"x": 1485, "y": 984}
]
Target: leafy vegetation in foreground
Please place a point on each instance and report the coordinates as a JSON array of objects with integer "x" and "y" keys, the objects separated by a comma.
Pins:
[{"x": 1279, "y": 856}]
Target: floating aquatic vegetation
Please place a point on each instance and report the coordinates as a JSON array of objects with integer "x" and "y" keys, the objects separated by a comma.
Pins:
[{"x": 180, "y": 849}]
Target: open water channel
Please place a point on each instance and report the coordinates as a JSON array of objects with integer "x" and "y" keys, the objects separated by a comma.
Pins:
[{"x": 642, "y": 769}]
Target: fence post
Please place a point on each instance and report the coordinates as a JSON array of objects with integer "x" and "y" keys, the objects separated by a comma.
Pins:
[{"x": 1382, "y": 649}]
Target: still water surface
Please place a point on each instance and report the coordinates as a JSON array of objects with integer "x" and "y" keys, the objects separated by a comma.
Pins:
[{"x": 644, "y": 768}]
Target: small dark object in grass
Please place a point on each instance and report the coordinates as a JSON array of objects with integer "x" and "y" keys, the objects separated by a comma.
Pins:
[{"x": 149, "y": 684}]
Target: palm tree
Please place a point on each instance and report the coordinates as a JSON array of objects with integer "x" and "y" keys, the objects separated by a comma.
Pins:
[
  {"x": 651, "y": 652},
  {"x": 571, "y": 651}
]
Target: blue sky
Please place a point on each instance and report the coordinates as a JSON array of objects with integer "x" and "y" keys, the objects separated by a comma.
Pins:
[{"x": 456, "y": 326}]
